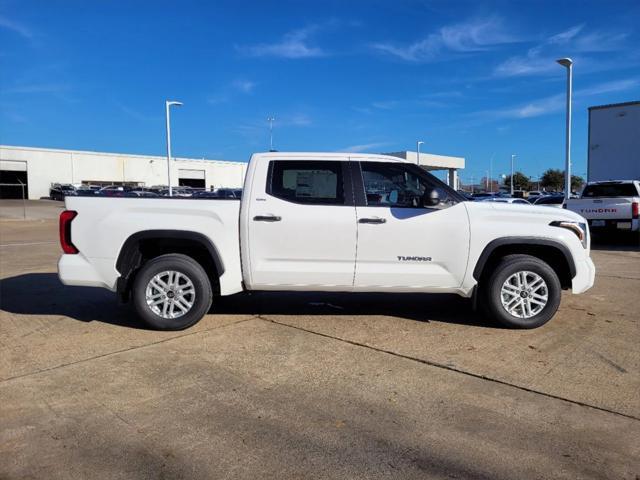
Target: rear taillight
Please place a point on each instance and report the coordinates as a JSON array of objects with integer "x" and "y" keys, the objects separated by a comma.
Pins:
[
  {"x": 65, "y": 231},
  {"x": 635, "y": 206}
]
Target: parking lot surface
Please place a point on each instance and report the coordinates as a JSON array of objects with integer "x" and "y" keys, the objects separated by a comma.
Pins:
[{"x": 274, "y": 385}]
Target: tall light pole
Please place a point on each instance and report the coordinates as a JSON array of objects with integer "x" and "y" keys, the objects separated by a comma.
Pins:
[
  {"x": 568, "y": 64},
  {"x": 513, "y": 157},
  {"x": 418, "y": 143},
  {"x": 491, "y": 172},
  {"x": 271, "y": 120},
  {"x": 167, "y": 104}
]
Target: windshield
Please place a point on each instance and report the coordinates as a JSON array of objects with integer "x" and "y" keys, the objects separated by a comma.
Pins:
[{"x": 610, "y": 190}]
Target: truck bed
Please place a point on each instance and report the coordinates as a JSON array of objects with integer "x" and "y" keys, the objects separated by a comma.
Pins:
[{"x": 103, "y": 224}]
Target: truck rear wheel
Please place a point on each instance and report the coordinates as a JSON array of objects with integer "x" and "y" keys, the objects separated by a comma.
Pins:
[
  {"x": 171, "y": 292},
  {"x": 522, "y": 292}
]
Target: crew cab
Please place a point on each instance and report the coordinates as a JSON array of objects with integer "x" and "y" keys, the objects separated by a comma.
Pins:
[
  {"x": 610, "y": 206},
  {"x": 326, "y": 222}
]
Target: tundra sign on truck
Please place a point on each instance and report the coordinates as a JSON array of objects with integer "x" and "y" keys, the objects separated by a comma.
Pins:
[
  {"x": 326, "y": 222},
  {"x": 610, "y": 206}
]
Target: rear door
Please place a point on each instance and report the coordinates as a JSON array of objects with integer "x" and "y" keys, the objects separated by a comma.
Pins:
[
  {"x": 302, "y": 225},
  {"x": 403, "y": 245}
]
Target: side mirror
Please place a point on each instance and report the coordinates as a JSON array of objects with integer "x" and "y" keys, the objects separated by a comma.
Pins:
[{"x": 431, "y": 198}]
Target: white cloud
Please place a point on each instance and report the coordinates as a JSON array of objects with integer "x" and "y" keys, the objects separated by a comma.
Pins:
[
  {"x": 475, "y": 35},
  {"x": 365, "y": 147},
  {"x": 217, "y": 99},
  {"x": 294, "y": 44},
  {"x": 563, "y": 37},
  {"x": 16, "y": 27},
  {"x": 299, "y": 120},
  {"x": 37, "y": 88},
  {"x": 556, "y": 103},
  {"x": 227, "y": 93},
  {"x": 609, "y": 87},
  {"x": 135, "y": 114},
  {"x": 385, "y": 105},
  {"x": 244, "y": 86},
  {"x": 540, "y": 59}
]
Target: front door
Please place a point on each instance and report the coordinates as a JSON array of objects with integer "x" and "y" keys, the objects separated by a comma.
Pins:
[
  {"x": 302, "y": 226},
  {"x": 403, "y": 244}
]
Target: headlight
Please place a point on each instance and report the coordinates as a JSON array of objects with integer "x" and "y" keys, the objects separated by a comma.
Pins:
[{"x": 580, "y": 229}]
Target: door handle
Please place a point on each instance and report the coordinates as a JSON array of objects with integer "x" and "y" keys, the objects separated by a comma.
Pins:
[
  {"x": 266, "y": 218},
  {"x": 373, "y": 220}
]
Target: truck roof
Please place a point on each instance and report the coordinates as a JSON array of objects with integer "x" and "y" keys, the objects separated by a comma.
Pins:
[
  {"x": 611, "y": 182},
  {"x": 331, "y": 156}
]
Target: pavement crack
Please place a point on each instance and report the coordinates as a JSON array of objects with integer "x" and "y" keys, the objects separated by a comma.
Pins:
[
  {"x": 124, "y": 350},
  {"x": 451, "y": 368}
]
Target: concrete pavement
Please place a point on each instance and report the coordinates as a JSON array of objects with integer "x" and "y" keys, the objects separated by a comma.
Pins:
[{"x": 312, "y": 385}]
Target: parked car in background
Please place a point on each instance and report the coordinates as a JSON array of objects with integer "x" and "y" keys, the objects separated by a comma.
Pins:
[
  {"x": 517, "y": 201},
  {"x": 298, "y": 227},
  {"x": 87, "y": 190},
  {"x": 468, "y": 196},
  {"x": 482, "y": 195},
  {"x": 205, "y": 194},
  {"x": 550, "y": 201},
  {"x": 229, "y": 193},
  {"x": 113, "y": 191},
  {"x": 610, "y": 206},
  {"x": 140, "y": 193},
  {"x": 534, "y": 194},
  {"x": 60, "y": 190}
]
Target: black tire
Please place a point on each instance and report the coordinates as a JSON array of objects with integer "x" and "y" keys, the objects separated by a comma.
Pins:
[
  {"x": 491, "y": 297},
  {"x": 188, "y": 267}
]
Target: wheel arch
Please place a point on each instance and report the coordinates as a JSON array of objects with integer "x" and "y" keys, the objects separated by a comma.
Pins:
[
  {"x": 554, "y": 253},
  {"x": 142, "y": 246}
]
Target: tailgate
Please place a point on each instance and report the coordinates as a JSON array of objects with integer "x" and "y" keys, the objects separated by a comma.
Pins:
[{"x": 603, "y": 208}]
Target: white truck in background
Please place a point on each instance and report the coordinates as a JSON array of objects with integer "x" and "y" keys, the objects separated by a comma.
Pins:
[
  {"x": 610, "y": 206},
  {"x": 326, "y": 222}
]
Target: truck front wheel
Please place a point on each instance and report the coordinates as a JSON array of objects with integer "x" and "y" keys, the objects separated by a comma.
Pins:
[
  {"x": 521, "y": 292},
  {"x": 171, "y": 292}
]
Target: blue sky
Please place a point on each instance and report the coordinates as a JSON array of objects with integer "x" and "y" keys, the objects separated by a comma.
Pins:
[{"x": 474, "y": 79}]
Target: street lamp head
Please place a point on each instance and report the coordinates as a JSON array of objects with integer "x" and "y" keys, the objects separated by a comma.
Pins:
[
  {"x": 420, "y": 142},
  {"x": 171, "y": 102},
  {"x": 565, "y": 62}
]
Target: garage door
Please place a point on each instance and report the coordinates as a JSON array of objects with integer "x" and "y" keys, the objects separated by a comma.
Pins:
[
  {"x": 191, "y": 178},
  {"x": 13, "y": 174}
]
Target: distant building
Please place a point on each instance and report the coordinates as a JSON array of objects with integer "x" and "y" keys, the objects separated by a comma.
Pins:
[
  {"x": 614, "y": 142},
  {"x": 38, "y": 168}
]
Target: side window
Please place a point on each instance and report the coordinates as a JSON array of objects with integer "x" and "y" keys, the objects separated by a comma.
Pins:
[
  {"x": 400, "y": 185},
  {"x": 311, "y": 182}
]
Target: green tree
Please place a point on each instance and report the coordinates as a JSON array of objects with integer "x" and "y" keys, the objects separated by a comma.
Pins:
[
  {"x": 576, "y": 182},
  {"x": 520, "y": 181},
  {"x": 552, "y": 179}
]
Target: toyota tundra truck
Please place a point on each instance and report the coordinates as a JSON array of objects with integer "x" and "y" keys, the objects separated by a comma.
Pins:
[
  {"x": 326, "y": 222},
  {"x": 610, "y": 206}
]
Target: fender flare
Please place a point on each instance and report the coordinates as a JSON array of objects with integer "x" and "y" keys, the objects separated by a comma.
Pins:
[
  {"x": 500, "y": 242},
  {"x": 129, "y": 257}
]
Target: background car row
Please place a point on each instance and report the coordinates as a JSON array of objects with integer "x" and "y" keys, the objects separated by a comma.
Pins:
[{"x": 59, "y": 191}]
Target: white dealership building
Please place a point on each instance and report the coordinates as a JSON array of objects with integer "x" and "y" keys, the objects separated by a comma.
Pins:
[{"x": 38, "y": 168}]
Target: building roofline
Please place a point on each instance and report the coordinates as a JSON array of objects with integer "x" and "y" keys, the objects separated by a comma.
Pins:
[
  {"x": 623, "y": 104},
  {"x": 115, "y": 154}
]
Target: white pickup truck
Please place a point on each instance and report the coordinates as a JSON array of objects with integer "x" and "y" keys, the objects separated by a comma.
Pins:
[
  {"x": 326, "y": 222},
  {"x": 610, "y": 206}
]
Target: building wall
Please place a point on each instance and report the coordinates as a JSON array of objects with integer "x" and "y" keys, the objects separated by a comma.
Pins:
[
  {"x": 614, "y": 142},
  {"x": 47, "y": 166}
]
